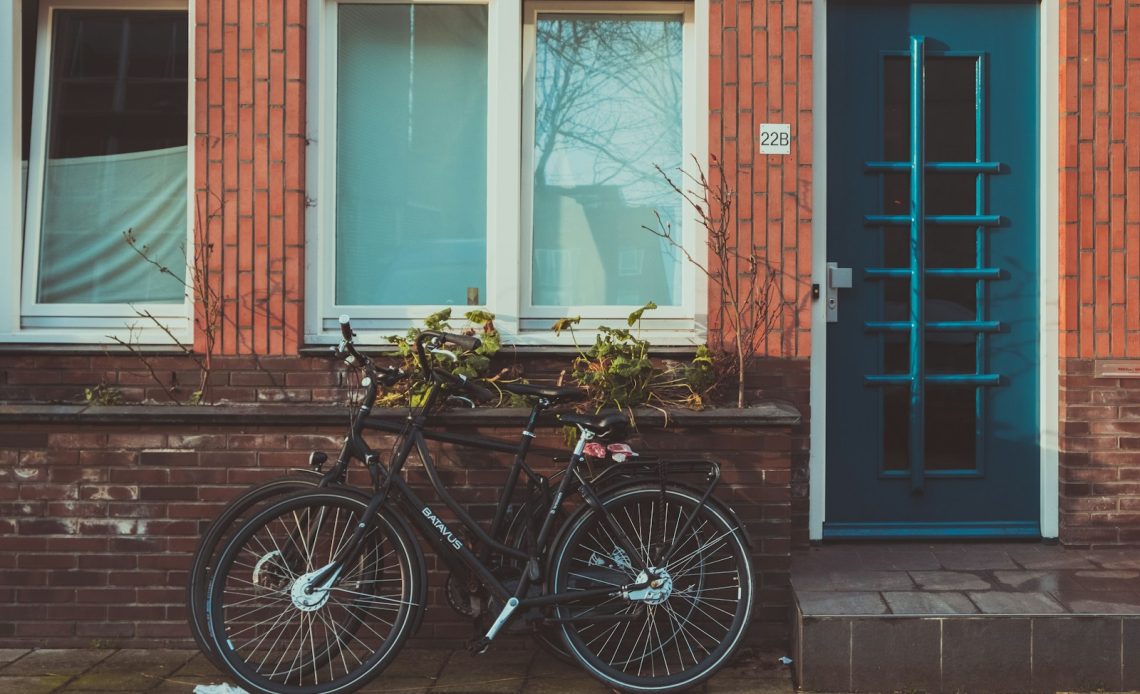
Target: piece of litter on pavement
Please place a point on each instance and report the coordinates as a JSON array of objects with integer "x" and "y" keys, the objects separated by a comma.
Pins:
[
  {"x": 218, "y": 689},
  {"x": 785, "y": 660}
]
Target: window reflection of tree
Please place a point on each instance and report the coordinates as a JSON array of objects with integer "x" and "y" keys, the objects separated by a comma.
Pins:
[
  {"x": 611, "y": 86},
  {"x": 608, "y": 95}
]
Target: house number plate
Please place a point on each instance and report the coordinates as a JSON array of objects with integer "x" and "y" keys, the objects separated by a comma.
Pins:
[{"x": 775, "y": 138}]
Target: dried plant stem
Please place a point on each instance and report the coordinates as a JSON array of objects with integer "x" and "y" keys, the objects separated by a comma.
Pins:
[
  {"x": 752, "y": 297},
  {"x": 207, "y": 303}
]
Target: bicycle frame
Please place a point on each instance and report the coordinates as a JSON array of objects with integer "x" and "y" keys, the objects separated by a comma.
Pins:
[
  {"x": 454, "y": 552},
  {"x": 388, "y": 484}
]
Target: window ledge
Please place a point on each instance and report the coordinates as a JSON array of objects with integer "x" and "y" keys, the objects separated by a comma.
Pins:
[
  {"x": 772, "y": 413},
  {"x": 672, "y": 352}
]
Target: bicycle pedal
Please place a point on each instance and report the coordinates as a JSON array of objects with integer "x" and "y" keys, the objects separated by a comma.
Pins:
[{"x": 479, "y": 646}]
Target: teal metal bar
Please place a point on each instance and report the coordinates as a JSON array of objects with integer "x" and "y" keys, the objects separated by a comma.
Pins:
[
  {"x": 973, "y": 220},
  {"x": 977, "y": 273},
  {"x": 944, "y": 379},
  {"x": 986, "y": 167},
  {"x": 980, "y": 289},
  {"x": 917, "y": 417},
  {"x": 981, "y": 220},
  {"x": 960, "y": 326}
]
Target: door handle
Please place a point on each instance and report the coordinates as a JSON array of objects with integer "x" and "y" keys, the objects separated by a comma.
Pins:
[{"x": 837, "y": 278}]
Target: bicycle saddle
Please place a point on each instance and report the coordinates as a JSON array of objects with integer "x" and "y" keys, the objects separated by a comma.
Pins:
[
  {"x": 603, "y": 424},
  {"x": 563, "y": 393}
]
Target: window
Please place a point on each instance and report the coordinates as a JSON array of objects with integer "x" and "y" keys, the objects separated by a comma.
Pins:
[
  {"x": 104, "y": 130},
  {"x": 606, "y": 108},
  {"x": 482, "y": 162},
  {"x": 411, "y": 154}
]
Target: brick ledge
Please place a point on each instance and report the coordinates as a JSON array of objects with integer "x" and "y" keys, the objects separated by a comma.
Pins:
[{"x": 774, "y": 413}]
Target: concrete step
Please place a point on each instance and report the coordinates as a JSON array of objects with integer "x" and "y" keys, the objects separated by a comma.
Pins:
[
  {"x": 958, "y": 617},
  {"x": 966, "y": 653}
]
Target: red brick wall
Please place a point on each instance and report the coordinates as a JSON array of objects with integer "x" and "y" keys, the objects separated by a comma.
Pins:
[
  {"x": 249, "y": 144},
  {"x": 760, "y": 71},
  {"x": 1099, "y": 214},
  {"x": 99, "y": 520},
  {"x": 250, "y": 150}
]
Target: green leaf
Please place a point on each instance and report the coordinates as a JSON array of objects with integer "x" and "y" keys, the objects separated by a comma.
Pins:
[
  {"x": 480, "y": 317},
  {"x": 636, "y": 315},
  {"x": 438, "y": 320},
  {"x": 565, "y": 324}
]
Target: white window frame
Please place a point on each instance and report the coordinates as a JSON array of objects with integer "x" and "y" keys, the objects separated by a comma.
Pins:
[
  {"x": 22, "y": 319},
  {"x": 510, "y": 124}
]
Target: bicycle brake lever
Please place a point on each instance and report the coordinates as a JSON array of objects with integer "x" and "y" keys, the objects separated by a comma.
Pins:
[{"x": 447, "y": 353}]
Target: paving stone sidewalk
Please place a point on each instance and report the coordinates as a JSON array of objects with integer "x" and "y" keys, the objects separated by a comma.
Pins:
[{"x": 416, "y": 671}]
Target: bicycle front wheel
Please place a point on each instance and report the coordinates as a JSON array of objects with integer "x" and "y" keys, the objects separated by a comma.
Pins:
[
  {"x": 279, "y": 630},
  {"x": 210, "y": 548},
  {"x": 680, "y": 631}
]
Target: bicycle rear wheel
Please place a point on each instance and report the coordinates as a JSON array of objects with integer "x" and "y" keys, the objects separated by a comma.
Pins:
[
  {"x": 278, "y": 631},
  {"x": 210, "y": 546},
  {"x": 677, "y": 634}
]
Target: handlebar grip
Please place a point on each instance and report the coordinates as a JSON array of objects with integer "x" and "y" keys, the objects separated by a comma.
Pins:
[
  {"x": 479, "y": 391},
  {"x": 345, "y": 327},
  {"x": 467, "y": 342},
  {"x": 465, "y": 384}
]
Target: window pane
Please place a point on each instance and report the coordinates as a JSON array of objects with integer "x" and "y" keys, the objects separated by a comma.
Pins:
[
  {"x": 411, "y": 154},
  {"x": 116, "y": 161},
  {"x": 607, "y": 109}
]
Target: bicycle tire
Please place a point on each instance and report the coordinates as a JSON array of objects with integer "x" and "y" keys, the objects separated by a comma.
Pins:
[
  {"x": 698, "y": 621},
  {"x": 209, "y": 547},
  {"x": 275, "y": 636}
]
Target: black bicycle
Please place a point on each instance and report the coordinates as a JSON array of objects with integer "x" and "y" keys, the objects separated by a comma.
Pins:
[
  {"x": 506, "y": 526},
  {"x": 648, "y": 580}
]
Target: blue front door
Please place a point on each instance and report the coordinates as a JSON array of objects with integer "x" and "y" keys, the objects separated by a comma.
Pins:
[{"x": 932, "y": 355}]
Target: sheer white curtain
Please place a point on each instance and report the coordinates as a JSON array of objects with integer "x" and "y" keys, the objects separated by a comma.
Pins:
[
  {"x": 88, "y": 202},
  {"x": 411, "y": 154}
]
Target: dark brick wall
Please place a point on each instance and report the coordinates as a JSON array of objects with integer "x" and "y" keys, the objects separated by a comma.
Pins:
[
  {"x": 99, "y": 520},
  {"x": 45, "y": 376},
  {"x": 1100, "y": 457}
]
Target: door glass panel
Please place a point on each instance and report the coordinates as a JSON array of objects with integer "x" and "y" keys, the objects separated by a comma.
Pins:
[
  {"x": 951, "y": 99},
  {"x": 896, "y": 108},
  {"x": 951, "y": 245},
  {"x": 951, "y": 90},
  {"x": 951, "y": 428},
  {"x": 896, "y": 405}
]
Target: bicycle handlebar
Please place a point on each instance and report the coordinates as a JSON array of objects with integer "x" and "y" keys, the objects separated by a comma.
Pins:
[
  {"x": 437, "y": 338},
  {"x": 465, "y": 384},
  {"x": 391, "y": 375}
]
